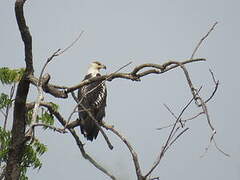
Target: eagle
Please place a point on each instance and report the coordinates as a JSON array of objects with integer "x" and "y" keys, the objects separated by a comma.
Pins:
[{"x": 92, "y": 102}]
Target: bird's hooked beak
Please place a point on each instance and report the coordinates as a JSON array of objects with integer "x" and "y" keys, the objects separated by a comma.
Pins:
[{"x": 103, "y": 66}]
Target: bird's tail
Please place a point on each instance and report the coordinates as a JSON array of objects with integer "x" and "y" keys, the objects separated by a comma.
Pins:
[{"x": 89, "y": 129}]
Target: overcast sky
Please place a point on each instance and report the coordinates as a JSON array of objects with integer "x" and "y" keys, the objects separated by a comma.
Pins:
[{"x": 115, "y": 33}]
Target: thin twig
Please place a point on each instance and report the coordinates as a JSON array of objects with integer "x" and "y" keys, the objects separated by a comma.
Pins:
[
  {"x": 78, "y": 141},
  {"x": 205, "y": 110},
  {"x": 219, "y": 149},
  {"x": 74, "y": 109},
  {"x": 8, "y": 106},
  {"x": 30, "y": 134},
  {"x": 155, "y": 178},
  {"x": 213, "y": 77},
  {"x": 50, "y": 127},
  {"x": 182, "y": 120},
  {"x": 202, "y": 39},
  {"x": 169, "y": 138},
  {"x": 40, "y": 96},
  {"x": 215, "y": 89},
  {"x": 180, "y": 134},
  {"x": 72, "y": 44},
  {"x": 169, "y": 110}
]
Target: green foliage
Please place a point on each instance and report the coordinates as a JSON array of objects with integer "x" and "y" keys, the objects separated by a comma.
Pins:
[
  {"x": 32, "y": 153},
  {"x": 4, "y": 100},
  {"x": 45, "y": 117},
  {"x": 5, "y": 137},
  {"x": 31, "y": 156},
  {"x": 9, "y": 76},
  {"x": 54, "y": 106}
]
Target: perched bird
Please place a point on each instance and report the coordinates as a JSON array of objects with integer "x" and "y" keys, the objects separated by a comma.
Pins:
[{"x": 92, "y": 98}]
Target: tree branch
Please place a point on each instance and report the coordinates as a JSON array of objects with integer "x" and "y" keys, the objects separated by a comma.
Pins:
[
  {"x": 216, "y": 87},
  {"x": 130, "y": 148},
  {"x": 71, "y": 45},
  {"x": 62, "y": 91},
  {"x": 49, "y": 88},
  {"x": 40, "y": 97},
  {"x": 8, "y": 106},
  {"x": 169, "y": 141},
  {"x": 78, "y": 141},
  {"x": 202, "y": 39},
  {"x": 60, "y": 130},
  {"x": 182, "y": 120},
  {"x": 98, "y": 125},
  {"x": 134, "y": 76}
]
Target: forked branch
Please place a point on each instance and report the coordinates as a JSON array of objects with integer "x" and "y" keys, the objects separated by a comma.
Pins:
[{"x": 78, "y": 141}]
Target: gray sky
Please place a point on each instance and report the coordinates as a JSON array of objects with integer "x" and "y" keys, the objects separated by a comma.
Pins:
[{"x": 116, "y": 32}]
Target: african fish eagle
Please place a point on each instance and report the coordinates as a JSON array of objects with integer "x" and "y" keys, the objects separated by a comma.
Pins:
[{"x": 92, "y": 102}]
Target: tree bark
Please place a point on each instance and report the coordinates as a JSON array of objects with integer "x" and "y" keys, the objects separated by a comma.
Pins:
[{"x": 17, "y": 144}]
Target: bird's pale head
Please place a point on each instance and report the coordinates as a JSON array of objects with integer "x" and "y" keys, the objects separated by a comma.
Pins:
[
  {"x": 97, "y": 65},
  {"x": 95, "y": 68}
]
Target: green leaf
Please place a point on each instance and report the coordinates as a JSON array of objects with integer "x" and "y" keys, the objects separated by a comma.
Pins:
[
  {"x": 23, "y": 174},
  {"x": 9, "y": 76},
  {"x": 4, "y": 100},
  {"x": 5, "y": 137},
  {"x": 47, "y": 118},
  {"x": 54, "y": 106},
  {"x": 40, "y": 148},
  {"x": 31, "y": 155}
]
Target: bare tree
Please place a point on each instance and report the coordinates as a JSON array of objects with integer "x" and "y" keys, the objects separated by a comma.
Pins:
[{"x": 21, "y": 135}]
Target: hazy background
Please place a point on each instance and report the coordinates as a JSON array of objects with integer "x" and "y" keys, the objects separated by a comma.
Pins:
[{"x": 115, "y": 33}]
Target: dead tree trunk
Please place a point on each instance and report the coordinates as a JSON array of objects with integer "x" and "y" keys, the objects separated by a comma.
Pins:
[{"x": 17, "y": 145}]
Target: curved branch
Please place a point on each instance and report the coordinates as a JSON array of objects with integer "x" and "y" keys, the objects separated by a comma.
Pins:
[
  {"x": 88, "y": 157},
  {"x": 133, "y": 75},
  {"x": 130, "y": 148},
  {"x": 62, "y": 91},
  {"x": 49, "y": 88},
  {"x": 149, "y": 65},
  {"x": 215, "y": 89},
  {"x": 78, "y": 141}
]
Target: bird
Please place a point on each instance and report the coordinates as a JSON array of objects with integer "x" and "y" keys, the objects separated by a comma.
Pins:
[{"x": 92, "y": 102}]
